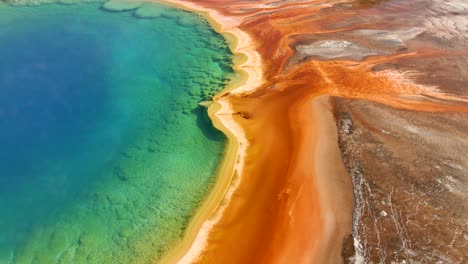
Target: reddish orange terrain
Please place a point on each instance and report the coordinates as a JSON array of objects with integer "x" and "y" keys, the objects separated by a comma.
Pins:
[{"x": 357, "y": 136}]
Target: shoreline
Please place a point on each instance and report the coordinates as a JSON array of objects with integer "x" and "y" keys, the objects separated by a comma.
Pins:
[
  {"x": 247, "y": 64},
  {"x": 318, "y": 207},
  {"x": 313, "y": 209}
]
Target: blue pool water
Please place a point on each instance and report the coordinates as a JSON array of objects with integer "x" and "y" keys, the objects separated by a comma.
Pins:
[
  {"x": 52, "y": 95},
  {"x": 105, "y": 152}
]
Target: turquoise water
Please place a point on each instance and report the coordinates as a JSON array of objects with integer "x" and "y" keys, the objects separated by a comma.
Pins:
[{"x": 105, "y": 154}]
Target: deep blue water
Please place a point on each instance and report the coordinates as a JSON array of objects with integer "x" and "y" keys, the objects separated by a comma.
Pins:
[
  {"x": 53, "y": 90},
  {"x": 105, "y": 154}
]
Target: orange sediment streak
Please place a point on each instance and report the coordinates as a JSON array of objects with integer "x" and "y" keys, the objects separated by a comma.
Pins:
[{"x": 283, "y": 194}]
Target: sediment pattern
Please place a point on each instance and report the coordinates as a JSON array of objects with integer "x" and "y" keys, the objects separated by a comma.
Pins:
[
  {"x": 411, "y": 206},
  {"x": 397, "y": 71}
]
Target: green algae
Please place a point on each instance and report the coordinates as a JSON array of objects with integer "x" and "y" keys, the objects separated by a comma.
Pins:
[{"x": 138, "y": 201}]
